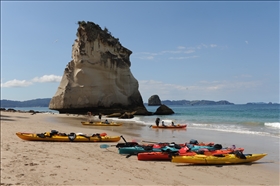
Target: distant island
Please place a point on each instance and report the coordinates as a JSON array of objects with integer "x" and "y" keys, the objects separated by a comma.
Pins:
[
  {"x": 195, "y": 102},
  {"x": 260, "y": 103},
  {"x": 44, "y": 102}
]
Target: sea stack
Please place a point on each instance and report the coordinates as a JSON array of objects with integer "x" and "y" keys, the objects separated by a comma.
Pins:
[
  {"x": 154, "y": 100},
  {"x": 98, "y": 78}
]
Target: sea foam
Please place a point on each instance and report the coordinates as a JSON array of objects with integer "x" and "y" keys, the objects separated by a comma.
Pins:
[{"x": 275, "y": 125}]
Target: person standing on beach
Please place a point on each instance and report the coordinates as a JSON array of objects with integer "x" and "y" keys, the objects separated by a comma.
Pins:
[
  {"x": 157, "y": 121},
  {"x": 89, "y": 117},
  {"x": 100, "y": 116}
]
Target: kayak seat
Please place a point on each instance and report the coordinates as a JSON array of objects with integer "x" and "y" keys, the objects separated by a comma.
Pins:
[
  {"x": 72, "y": 136},
  {"x": 62, "y": 134},
  {"x": 41, "y": 135},
  {"x": 148, "y": 147}
]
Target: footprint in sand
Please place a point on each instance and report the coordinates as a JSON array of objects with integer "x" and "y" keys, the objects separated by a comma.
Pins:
[
  {"x": 33, "y": 164},
  {"x": 19, "y": 175}
]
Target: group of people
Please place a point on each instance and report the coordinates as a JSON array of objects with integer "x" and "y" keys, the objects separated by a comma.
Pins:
[
  {"x": 107, "y": 122},
  {"x": 90, "y": 117},
  {"x": 162, "y": 122}
]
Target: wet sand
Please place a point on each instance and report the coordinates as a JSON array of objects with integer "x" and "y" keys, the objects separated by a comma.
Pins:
[{"x": 57, "y": 163}]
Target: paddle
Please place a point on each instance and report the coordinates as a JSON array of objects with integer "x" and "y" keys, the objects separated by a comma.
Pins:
[
  {"x": 149, "y": 141},
  {"x": 137, "y": 140},
  {"x": 123, "y": 139},
  {"x": 105, "y": 146},
  {"x": 119, "y": 145}
]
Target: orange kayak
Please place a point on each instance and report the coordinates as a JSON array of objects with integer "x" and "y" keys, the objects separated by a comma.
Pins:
[{"x": 178, "y": 126}]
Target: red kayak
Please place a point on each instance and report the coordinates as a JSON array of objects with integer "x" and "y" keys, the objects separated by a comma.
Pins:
[
  {"x": 165, "y": 156},
  {"x": 153, "y": 156},
  {"x": 178, "y": 126}
]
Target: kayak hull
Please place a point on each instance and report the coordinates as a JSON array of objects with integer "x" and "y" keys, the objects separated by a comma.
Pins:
[
  {"x": 65, "y": 138},
  {"x": 217, "y": 160},
  {"x": 100, "y": 123},
  {"x": 154, "y": 156}
]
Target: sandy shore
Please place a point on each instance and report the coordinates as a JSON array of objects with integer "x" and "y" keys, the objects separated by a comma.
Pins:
[{"x": 55, "y": 163}]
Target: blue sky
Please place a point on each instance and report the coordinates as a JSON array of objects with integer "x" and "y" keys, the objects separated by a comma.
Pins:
[{"x": 181, "y": 50}]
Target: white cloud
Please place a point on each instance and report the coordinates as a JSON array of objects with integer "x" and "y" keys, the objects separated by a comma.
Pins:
[
  {"x": 25, "y": 83},
  {"x": 47, "y": 78},
  {"x": 226, "y": 85},
  {"x": 181, "y": 58},
  {"x": 147, "y": 57},
  {"x": 212, "y": 90},
  {"x": 172, "y": 52},
  {"x": 150, "y": 87},
  {"x": 243, "y": 76},
  {"x": 201, "y": 46},
  {"x": 189, "y": 51},
  {"x": 180, "y": 50},
  {"x": 16, "y": 83},
  {"x": 181, "y": 47}
]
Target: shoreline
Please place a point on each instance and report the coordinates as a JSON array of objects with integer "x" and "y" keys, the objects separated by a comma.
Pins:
[{"x": 62, "y": 163}]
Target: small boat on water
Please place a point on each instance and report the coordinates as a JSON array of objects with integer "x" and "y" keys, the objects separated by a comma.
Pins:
[
  {"x": 55, "y": 136},
  {"x": 221, "y": 159},
  {"x": 178, "y": 126},
  {"x": 99, "y": 123}
]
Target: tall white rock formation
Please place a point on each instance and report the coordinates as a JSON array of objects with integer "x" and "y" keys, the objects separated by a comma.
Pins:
[{"x": 98, "y": 78}]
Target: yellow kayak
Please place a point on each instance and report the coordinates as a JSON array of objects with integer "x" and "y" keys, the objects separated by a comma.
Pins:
[
  {"x": 98, "y": 123},
  {"x": 73, "y": 137},
  {"x": 217, "y": 160}
]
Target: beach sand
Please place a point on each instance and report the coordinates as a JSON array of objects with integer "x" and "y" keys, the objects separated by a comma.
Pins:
[{"x": 68, "y": 163}]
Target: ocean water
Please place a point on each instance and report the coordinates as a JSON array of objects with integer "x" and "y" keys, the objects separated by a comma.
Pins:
[
  {"x": 262, "y": 119},
  {"x": 251, "y": 119}
]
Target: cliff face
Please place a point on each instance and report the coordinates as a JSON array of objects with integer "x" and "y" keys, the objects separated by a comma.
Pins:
[{"x": 98, "y": 79}]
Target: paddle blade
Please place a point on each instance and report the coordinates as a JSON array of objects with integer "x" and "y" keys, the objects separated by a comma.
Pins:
[{"x": 104, "y": 146}]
